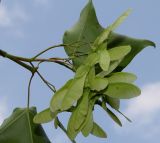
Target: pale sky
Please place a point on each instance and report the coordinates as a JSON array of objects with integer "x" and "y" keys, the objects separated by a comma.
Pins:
[{"x": 27, "y": 27}]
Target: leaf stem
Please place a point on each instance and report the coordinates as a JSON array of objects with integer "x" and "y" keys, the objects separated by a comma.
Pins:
[
  {"x": 52, "y": 87},
  {"x": 52, "y": 47},
  {"x": 63, "y": 128},
  {"x": 29, "y": 89}
]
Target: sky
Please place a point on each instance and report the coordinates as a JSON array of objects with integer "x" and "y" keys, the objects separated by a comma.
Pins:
[{"x": 27, "y": 27}]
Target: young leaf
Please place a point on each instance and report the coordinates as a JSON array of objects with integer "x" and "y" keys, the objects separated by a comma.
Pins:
[
  {"x": 98, "y": 131},
  {"x": 88, "y": 124},
  {"x": 81, "y": 71},
  {"x": 81, "y": 111},
  {"x": 74, "y": 92},
  {"x": 98, "y": 83},
  {"x": 118, "y": 53},
  {"x": 105, "y": 34},
  {"x": 92, "y": 59},
  {"x": 129, "y": 120},
  {"x": 43, "y": 117},
  {"x": 19, "y": 128},
  {"x": 122, "y": 90},
  {"x": 78, "y": 116},
  {"x": 56, "y": 123},
  {"x": 122, "y": 77},
  {"x": 57, "y": 99},
  {"x": 112, "y": 67},
  {"x": 112, "y": 115},
  {"x": 104, "y": 58},
  {"x": 85, "y": 30},
  {"x": 113, "y": 102}
]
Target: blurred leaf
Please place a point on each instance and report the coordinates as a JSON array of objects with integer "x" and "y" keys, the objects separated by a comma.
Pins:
[
  {"x": 122, "y": 90},
  {"x": 43, "y": 117},
  {"x": 118, "y": 53},
  {"x": 122, "y": 77},
  {"x": 19, "y": 128},
  {"x": 98, "y": 131}
]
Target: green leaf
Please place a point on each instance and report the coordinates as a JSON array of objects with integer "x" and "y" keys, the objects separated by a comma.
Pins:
[
  {"x": 43, "y": 117},
  {"x": 57, "y": 99},
  {"x": 118, "y": 53},
  {"x": 98, "y": 131},
  {"x": 81, "y": 71},
  {"x": 129, "y": 120},
  {"x": 74, "y": 92},
  {"x": 88, "y": 124},
  {"x": 137, "y": 46},
  {"x": 81, "y": 111},
  {"x": 104, "y": 58},
  {"x": 112, "y": 115},
  {"x": 56, "y": 122},
  {"x": 98, "y": 83},
  {"x": 112, "y": 67},
  {"x": 91, "y": 75},
  {"x": 85, "y": 30},
  {"x": 120, "y": 19},
  {"x": 92, "y": 59},
  {"x": 105, "y": 34},
  {"x": 78, "y": 116},
  {"x": 113, "y": 102},
  {"x": 122, "y": 77},
  {"x": 71, "y": 132},
  {"x": 19, "y": 128},
  {"x": 122, "y": 90}
]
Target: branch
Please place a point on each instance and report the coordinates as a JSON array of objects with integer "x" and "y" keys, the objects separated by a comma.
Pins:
[
  {"x": 15, "y": 59},
  {"x": 21, "y": 60}
]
